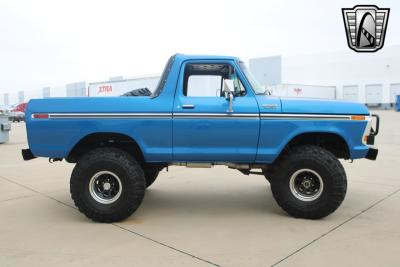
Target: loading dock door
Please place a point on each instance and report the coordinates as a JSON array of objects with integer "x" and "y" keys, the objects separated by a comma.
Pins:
[
  {"x": 373, "y": 94},
  {"x": 350, "y": 93},
  {"x": 394, "y": 91}
]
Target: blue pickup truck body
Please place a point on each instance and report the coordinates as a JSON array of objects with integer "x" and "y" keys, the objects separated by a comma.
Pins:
[
  {"x": 257, "y": 130},
  {"x": 120, "y": 144}
]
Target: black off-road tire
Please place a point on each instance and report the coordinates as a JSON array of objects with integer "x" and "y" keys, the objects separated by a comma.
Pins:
[
  {"x": 151, "y": 176},
  {"x": 124, "y": 167},
  {"x": 266, "y": 175},
  {"x": 324, "y": 164}
]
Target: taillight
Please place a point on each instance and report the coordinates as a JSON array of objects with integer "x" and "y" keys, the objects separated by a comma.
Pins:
[{"x": 40, "y": 116}]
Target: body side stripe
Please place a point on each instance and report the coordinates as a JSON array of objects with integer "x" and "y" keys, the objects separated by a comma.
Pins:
[{"x": 263, "y": 116}]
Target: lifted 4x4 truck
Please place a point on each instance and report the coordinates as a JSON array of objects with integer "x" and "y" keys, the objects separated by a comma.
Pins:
[{"x": 205, "y": 111}]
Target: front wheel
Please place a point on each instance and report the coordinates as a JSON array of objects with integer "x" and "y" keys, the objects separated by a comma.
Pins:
[
  {"x": 107, "y": 185},
  {"x": 308, "y": 182}
]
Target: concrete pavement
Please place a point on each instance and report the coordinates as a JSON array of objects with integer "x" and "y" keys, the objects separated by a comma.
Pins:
[{"x": 200, "y": 217}]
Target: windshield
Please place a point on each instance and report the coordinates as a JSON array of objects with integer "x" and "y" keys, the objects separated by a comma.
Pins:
[{"x": 257, "y": 87}]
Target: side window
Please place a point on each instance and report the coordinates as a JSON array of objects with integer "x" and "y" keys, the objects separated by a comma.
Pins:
[
  {"x": 204, "y": 85},
  {"x": 211, "y": 80}
]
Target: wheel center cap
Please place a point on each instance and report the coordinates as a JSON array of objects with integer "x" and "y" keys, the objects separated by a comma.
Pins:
[
  {"x": 306, "y": 183},
  {"x": 107, "y": 186}
]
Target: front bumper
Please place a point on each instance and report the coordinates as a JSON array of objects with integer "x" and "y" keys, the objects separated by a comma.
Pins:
[
  {"x": 374, "y": 131},
  {"x": 373, "y": 152}
]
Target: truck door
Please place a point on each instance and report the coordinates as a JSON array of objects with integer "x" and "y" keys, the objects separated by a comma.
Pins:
[{"x": 204, "y": 127}]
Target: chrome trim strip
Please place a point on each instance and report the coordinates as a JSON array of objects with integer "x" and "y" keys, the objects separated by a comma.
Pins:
[
  {"x": 151, "y": 115},
  {"x": 263, "y": 116},
  {"x": 304, "y": 116},
  {"x": 110, "y": 115},
  {"x": 216, "y": 115}
]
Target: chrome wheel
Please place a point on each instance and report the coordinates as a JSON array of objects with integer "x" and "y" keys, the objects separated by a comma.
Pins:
[
  {"x": 306, "y": 185},
  {"x": 105, "y": 187}
]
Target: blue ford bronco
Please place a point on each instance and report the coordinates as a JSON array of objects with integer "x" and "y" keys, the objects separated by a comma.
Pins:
[{"x": 205, "y": 111}]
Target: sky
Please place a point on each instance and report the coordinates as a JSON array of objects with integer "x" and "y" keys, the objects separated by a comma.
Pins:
[{"x": 51, "y": 43}]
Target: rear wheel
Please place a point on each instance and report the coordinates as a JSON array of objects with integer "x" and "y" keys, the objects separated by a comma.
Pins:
[
  {"x": 107, "y": 185},
  {"x": 308, "y": 182}
]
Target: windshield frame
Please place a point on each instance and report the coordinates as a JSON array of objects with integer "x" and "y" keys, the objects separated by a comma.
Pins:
[{"x": 255, "y": 85}]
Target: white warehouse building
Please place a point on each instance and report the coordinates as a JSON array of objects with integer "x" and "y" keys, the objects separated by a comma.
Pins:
[
  {"x": 370, "y": 78},
  {"x": 118, "y": 85}
]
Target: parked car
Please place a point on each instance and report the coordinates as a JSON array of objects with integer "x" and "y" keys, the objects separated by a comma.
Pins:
[
  {"x": 18, "y": 112},
  {"x": 205, "y": 111},
  {"x": 17, "y": 116},
  {"x": 20, "y": 107},
  {"x": 4, "y": 109}
]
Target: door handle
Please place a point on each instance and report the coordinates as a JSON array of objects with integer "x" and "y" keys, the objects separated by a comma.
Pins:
[
  {"x": 188, "y": 106},
  {"x": 270, "y": 106}
]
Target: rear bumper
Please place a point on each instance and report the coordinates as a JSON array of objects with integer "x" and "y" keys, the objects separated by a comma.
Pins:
[
  {"x": 372, "y": 154},
  {"x": 27, "y": 154}
]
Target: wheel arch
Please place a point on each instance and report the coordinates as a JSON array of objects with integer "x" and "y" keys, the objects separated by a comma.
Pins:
[
  {"x": 105, "y": 139},
  {"x": 331, "y": 141}
]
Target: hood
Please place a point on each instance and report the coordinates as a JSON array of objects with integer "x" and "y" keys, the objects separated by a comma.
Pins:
[{"x": 321, "y": 106}]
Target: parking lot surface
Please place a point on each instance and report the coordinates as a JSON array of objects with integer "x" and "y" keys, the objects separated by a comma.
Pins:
[{"x": 200, "y": 217}]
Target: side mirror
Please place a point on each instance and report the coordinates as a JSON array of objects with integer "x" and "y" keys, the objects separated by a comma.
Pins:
[
  {"x": 229, "y": 96},
  {"x": 228, "y": 84},
  {"x": 267, "y": 92}
]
